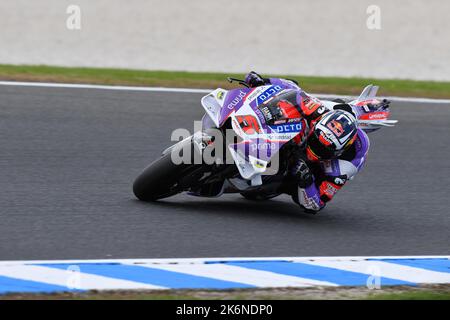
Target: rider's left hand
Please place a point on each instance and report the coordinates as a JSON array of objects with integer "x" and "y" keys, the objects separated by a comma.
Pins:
[
  {"x": 254, "y": 80},
  {"x": 302, "y": 173}
]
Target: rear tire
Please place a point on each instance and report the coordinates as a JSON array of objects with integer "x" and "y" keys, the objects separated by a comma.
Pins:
[{"x": 255, "y": 196}]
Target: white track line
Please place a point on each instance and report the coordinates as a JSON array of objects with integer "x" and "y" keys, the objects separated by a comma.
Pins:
[
  {"x": 62, "y": 277},
  {"x": 215, "y": 259},
  {"x": 258, "y": 278},
  {"x": 101, "y": 87},
  {"x": 187, "y": 90}
]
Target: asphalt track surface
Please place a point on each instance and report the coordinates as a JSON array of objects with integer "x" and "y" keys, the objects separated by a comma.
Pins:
[{"x": 68, "y": 158}]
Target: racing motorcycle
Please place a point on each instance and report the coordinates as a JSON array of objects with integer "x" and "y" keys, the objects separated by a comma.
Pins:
[{"x": 249, "y": 150}]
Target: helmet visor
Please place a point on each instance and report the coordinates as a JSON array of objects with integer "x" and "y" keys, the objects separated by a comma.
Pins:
[{"x": 318, "y": 149}]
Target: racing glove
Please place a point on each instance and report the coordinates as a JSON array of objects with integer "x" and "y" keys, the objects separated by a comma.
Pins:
[
  {"x": 304, "y": 191},
  {"x": 302, "y": 174},
  {"x": 254, "y": 80}
]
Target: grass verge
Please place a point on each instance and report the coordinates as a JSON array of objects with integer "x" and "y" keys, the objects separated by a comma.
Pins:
[
  {"x": 332, "y": 85},
  {"x": 424, "y": 292}
]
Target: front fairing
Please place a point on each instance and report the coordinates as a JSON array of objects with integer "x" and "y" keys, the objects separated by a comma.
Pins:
[{"x": 259, "y": 140}]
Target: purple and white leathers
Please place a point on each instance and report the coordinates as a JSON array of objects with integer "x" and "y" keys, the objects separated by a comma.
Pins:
[{"x": 272, "y": 122}]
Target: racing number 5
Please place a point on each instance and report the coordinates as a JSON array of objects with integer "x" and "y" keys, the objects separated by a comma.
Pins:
[{"x": 249, "y": 124}]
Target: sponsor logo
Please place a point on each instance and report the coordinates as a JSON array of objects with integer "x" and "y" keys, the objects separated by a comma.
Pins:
[
  {"x": 260, "y": 115},
  {"x": 268, "y": 93},
  {"x": 311, "y": 104},
  {"x": 236, "y": 100},
  {"x": 237, "y": 126},
  {"x": 321, "y": 110},
  {"x": 287, "y": 128},
  {"x": 373, "y": 116},
  {"x": 287, "y": 120},
  {"x": 339, "y": 181},
  {"x": 264, "y": 146},
  {"x": 255, "y": 93},
  {"x": 267, "y": 114},
  {"x": 278, "y": 136},
  {"x": 220, "y": 95},
  {"x": 331, "y": 190},
  {"x": 307, "y": 202},
  {"x": 258, "y": 164}
]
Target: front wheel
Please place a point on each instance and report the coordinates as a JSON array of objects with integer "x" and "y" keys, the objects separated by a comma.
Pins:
[
  {"x": 158, "y": 180},
  {"x": 163, "y": 178}
]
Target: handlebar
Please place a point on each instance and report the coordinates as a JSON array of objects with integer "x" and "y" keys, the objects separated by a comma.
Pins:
[{"x": 241, "y": 82}]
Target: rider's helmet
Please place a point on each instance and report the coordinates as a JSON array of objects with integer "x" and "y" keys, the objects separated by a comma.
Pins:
[{"x": 331, "y": 135}]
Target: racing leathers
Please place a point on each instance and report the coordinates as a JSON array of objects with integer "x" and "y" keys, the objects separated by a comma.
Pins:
[{"x": 318, "y": 180}]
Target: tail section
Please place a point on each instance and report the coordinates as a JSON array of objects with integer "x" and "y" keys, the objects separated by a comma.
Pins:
[{"x": 372, "y": 113}]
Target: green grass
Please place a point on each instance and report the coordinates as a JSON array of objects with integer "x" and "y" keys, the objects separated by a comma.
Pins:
[
  {"x": 135, "y": 297},
  {"x": 421, "y": 295},
  {"x": 431, "y": 292},
  {"x": 336, "y": 85},
  {"x": 427, "y": 295}
]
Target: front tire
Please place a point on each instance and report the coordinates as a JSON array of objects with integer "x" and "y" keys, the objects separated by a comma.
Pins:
[{"x": 159, "y": 180}]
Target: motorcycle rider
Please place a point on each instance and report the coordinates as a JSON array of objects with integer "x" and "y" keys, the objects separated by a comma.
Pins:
[{"x": 334, "y": 151}]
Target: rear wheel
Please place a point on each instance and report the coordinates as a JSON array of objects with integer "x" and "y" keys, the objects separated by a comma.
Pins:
[
  {"x": 258, "y": 196},
  {"x": 272, "y": 187}
]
